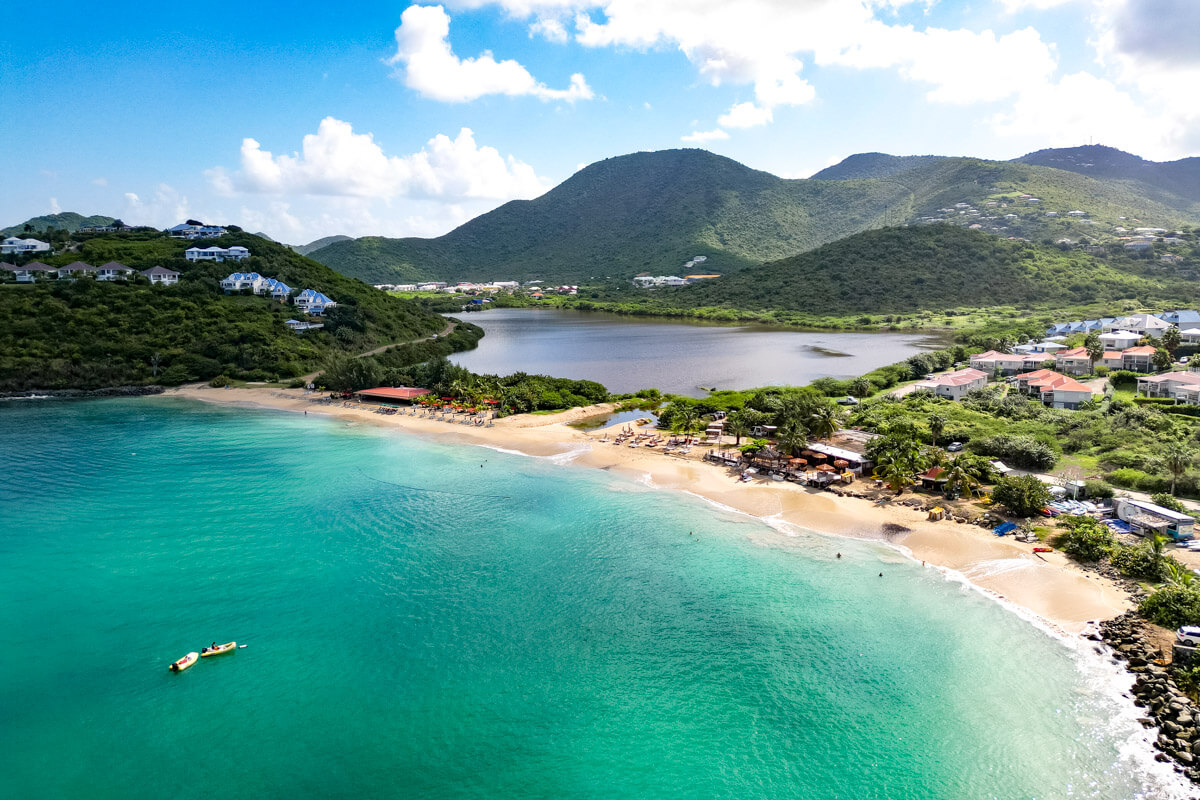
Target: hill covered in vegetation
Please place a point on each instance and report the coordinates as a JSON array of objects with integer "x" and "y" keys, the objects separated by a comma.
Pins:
[
  {"x": 66, "y": 221},
  {"x": 1181, "y": 177},
  {"x": 653, "y": 212},
  {"x": 89, "y": 334},
  {"x": 938, "y": 267}
]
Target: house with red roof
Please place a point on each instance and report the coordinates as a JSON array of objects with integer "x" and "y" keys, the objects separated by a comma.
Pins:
[
  {"x": 953, "y": 385},
  {"x": 1053, "y": 389}
]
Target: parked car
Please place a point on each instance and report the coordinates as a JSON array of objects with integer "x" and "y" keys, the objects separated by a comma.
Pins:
[
  {"x": 954, "y": 447},
  {"x": 1183, "y": 360},
  {"x": 848, "y": 401},
  {"x": 1188, "y": 635}
]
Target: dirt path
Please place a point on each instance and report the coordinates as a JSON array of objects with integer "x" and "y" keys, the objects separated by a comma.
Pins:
[{"x": 444, "y": 332}]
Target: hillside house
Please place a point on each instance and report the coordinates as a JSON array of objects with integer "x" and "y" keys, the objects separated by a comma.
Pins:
[
  {"x": 953, "y": 385},
  {"x": 1006, "y": 364},
  {"x": 1040, "y": 347},
  {"x": 195, "y": 230},
  {"x": 1112, "y": 359},
  {"x": 1190, "y": 336},
  {"x": 313, "y": 302},
  {"x": 1075, "y": 361},
  {"x": 30, "y": 272},
  {"x": 278, "y": 290},
  {"x": 16, "y": 246},
  {"x": 240, "y": 281},
  {"x": 77, "y": 269},
  {"x": 1182, "y": 317},
  {"x": 1145, "y": 324},
  {"x": 235, "y": 253},
  {"x": 1183, "y": 387},
  {"x": 113, "y": 271},
  {"x": 1138, "y": 246},
  {"x": 1119, "y": 340},
  {"x": 1053, "y": 389},
  {"x": 161, "y": 275},
  {"x": 1138, "y": 359}
]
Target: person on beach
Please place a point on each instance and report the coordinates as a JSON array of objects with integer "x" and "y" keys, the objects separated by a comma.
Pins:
[{"x": 839, "y": 555}]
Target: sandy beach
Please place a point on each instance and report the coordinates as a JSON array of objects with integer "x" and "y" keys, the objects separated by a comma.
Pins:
[{"x": 1046, "y": 585}]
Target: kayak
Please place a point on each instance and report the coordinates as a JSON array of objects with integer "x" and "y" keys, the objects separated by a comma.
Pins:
[
  {"x": 218, "y": 650},
  {"x": 185, "y": 662}
]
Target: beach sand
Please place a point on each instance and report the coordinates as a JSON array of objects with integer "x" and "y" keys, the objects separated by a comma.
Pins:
[{"x": 1048, "y": 585}]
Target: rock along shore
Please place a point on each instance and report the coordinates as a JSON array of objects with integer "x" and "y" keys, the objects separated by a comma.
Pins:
[
  {"x": 1166, "y": 705},
  {"x": 110, "y": 391}
]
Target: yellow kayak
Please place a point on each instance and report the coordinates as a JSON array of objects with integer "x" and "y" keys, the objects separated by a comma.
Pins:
[
  {"x": 218, "y": 650},
  {"x": 185, "y": 662}
]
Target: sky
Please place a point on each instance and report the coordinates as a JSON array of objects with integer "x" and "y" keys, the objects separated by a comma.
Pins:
[{"x": 306, "y": 119}]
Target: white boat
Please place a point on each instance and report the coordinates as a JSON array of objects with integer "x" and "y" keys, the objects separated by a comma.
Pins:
[{"x": 185, "y": 662}]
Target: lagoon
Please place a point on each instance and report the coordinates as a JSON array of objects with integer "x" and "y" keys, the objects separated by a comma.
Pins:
[{"x": 630, "y": 353}]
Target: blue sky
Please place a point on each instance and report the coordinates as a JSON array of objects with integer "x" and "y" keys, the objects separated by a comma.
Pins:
[{"x": 307, "y": 119}]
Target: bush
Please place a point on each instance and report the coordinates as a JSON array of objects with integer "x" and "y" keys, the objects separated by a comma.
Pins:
[
  {"x": 1168, "y": 501},
  {"x": 1086, "y": 539},
  {"x": 1018, "y": 451},
  {"x": 1140, "y": 561},
  {"x": 1122, "y": 377},
  {"x": 1172, "y": 606},
  {"x": 1097, "y": 490},
  {"x": 220, "y": 381},
  {"x": 1136, "y": 479},
  {"x": 1101, "y": 371},
  {"x": 1022, "y": 496}
]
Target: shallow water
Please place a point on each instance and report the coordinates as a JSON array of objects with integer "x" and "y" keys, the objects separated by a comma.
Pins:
[
  {"x": 631, "y": 353},
  {"x": 448, "y": 622}
]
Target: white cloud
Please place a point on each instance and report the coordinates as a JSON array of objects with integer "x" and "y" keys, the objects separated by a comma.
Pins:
[
  {"x": 55, "y": 208},
  {"x": 429, "y": 66},
  {"x": 745, "y": 115},
  {"x": 167, "y": 207},
  {"x": 701, "y": 137},
  {"x": 99, "y": 181},
  {"x": 336, "y": 161},
  {"x": 1013, "y": 6},
  {"x": 550, "y": 29}
]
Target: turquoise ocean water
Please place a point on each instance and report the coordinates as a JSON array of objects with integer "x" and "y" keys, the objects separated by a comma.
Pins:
[{"x": 454, "y": 622}]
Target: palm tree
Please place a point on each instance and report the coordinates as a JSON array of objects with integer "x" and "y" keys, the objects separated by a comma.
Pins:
[
  {"x": 937, "y": 423},
  {"x": 1171, "y": 339},
  {"x": 1094, "y": 347},
  {"x": 1177, "y": 457},
  {"x": 688, "y": 417},
  {"x": 897, "y": 460},
  {"x": 966, "y": 472},
  {"x": 824, "y": 422},
  {"x": 1162, "y": 360},
  {"x": 1178, "y": 575},
  {"x": 792, "y": 437},
  {"x": 735, "y": 425}
]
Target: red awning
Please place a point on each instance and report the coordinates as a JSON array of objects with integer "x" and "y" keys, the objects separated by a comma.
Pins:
[{"x": 393, "y": 393}]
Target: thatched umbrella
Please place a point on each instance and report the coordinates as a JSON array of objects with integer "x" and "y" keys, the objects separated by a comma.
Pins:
[{"x": 841, "y": 463}]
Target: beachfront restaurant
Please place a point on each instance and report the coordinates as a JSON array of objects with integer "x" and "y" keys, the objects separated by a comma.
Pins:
[
  {"x": 843, "y": 460},
  {"x": 390, "y": 394}
]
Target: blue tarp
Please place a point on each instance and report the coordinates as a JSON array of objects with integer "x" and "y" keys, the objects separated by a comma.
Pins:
[
  {"x": 1118, "y": 526},
  {"x": 1004, "y": 527}
]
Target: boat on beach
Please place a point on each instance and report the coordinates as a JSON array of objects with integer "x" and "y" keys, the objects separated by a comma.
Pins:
[
  {"x": 220, "y": 649},
  {"x": 185, "y": 662}
]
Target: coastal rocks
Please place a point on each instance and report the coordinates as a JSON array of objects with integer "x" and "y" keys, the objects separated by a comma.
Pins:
[
  {"x": 1170, "y": 710},
  {"x": 111, "y": 391}
]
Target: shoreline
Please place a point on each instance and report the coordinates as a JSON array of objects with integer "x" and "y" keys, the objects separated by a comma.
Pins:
[{"x": 1051, "y": 588}]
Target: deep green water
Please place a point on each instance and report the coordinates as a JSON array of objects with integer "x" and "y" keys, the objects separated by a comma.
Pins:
[{"x": 453, "y": 622}]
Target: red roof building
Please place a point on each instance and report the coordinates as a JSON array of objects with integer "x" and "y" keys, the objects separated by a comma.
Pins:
[{"x": 385, "y": 393}]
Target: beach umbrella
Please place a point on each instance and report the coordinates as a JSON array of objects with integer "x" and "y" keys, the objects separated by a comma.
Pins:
[
  {"x": 825, "y": 468},
  {"x": 841, "y": 463}
]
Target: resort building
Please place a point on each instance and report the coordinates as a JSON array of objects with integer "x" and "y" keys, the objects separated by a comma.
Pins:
[
  {"x": 17, "y": 245},
  {"x": 1182, "y": 317},
  {"x": 195, "y": 230},
  {"x": 1183, "y": 387},
  {"x": 953, "y": 385},
  {"x": 1144, "y": 324},
  {"x": 1075, "y": 361},
  {"x": 1040, "y": 347},
  {"x": 313, "y": 302},
  {"x": 1053, "y": 389},
  {"x": 992, "y": 361},
  {"x": 77, "y": 269},
  {"x": 390, "y": 394},
  {"x": 277, "y": 289},
  {"x": 32, "y": 271},
  {"x": 240, "y": 281},
  {"x": 235, "y": 253},
  {"x": 1138, "y": 359},
  {"x": 113, "y": 271},
  {"x": 162, "y": 275},
  {"x": 1190, "y": 336},
  {"x": 1119, "y": 340}
]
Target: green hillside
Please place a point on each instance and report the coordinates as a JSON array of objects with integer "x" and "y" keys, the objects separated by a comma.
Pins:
[
  {"x": 90, "y": 334},
  {"x": 652, "y": 212},
  {"x": 1180, "y": 177},
  {"x": 939, "y": 267},
  {"x": 66, "y": 221},
  {"x": 641, "y": 212},
  {"x": 313, "y": 246}
]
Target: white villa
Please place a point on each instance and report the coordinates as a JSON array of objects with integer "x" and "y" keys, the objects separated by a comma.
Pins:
[
  {"x": 953, "y": 385},
  {"x": 648, "y": 282},
  {"x": 1053, "y": 389},
  {"x": 1119, "y": 340},
  {"x": 113, "y": 271},
  {"x": 195, "y": 230},
  {"x": 15, "y": 244},
  {"x": 1007, "y": 364},
  {"x": 235, "y": 253},
  {"x": 313, "y": 302},
  {"x": 277, "y": 289},
  {"x": 1145, "y": 324},
  {"x": 1184, "y": 387},
  {"x": 238, "y": 281},
  {"x": 162, "y": 275},
  {"x": 76, "y": 269}
]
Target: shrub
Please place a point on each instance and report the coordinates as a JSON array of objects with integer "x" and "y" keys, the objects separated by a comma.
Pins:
[
  {"x": 1136, "y": 479},
  {"x": 220, "y": 381},
  {"x": 1086, "y": 539},
  {"x": 1097, "y": 490},
  {"x": 1019, "y": 451},
  {"x": 1022, "y": 496},
  {"x": 1168, "y": 501},
  {"x": 1172, "y": 606},
  {"x": 1140, "y": 561},
  {"x": 1101, "y": 371},
  {"x": 1122, "y": 377}
]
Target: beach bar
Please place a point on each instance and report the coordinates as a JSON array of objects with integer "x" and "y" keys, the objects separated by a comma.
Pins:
[{"x": 389, "y": 394}]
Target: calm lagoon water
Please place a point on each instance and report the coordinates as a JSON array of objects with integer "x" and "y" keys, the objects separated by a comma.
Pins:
[
  {"x": 454, "y": 622},
  {"x": 631, "y": 353}
]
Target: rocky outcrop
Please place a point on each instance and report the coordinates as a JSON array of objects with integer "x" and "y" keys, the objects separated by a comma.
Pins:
[
  {"x": 111, "y": 391},
  {"x": 1167, "y": 707}
]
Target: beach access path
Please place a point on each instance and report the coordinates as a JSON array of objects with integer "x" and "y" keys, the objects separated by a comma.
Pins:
[
  {"x": 309, "y": 378},
  {"x": 1049, "y": 585}
]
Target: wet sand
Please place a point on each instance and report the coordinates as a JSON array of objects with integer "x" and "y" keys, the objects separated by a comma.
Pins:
[{"x": 1047, "y": 585}]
